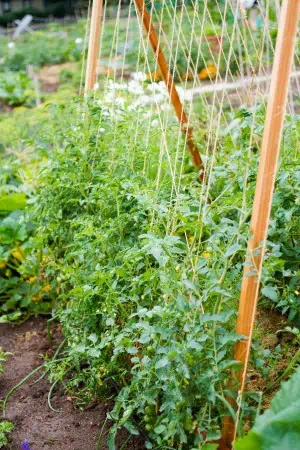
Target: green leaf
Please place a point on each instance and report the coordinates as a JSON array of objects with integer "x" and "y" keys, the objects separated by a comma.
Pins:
[
  {"x": 93, "y": 338},
  {"x": 132, "y": 350},
  {"x": 270, "y": 292},
  {"x": 190, "y": 285},
  {"x": 250, "y": 442},
  {"x": 163, "y": 362},
  {"x": 12, "y": 202},
  {"x": 144, "y": 338},
  {"x": 131, "y": 428},
  {"x": 94, "y": 353},
  {"x": 80, "y": 348},
  {"x": 210, "y": 447},
  {"x": 111, "y": 439},
  {"x": 232, "y": 249},
  {"x": 110, "y": 322},
  {"x": 194, "y": 344},
  {"x": 160, "y": 429}
]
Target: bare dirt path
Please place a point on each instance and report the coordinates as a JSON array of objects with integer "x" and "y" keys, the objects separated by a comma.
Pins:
[{"x": 70, "y": 429}]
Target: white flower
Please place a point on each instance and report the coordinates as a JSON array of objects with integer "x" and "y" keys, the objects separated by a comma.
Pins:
[
  {"x": 96, "y": 86},
  {"x": 157, "y": 87},
  {"x": 135, "y": 88},
  {"x": 116, "y": 115},
  {"x": 154, "y": 123},
  {"x": 120, "y": 101},
  {"x": 131, "y": 108},
  {"x": 118, "y": 112},
  {"x": 148, "y": 114},
  {"x": 143, "y": 100},
  {"x": 101, "y": 130},
  {"x": 11, "y": 45},
  {"x": 158, "y": 98},
  {"x": 183, "y": 95},
  {"x": 105, "y": 112},
  {"x": 139, "y": 76},
  {"x": 109, "y": 97},
  {"x": 116, "y": 86},
  {"x": 166, "y": 107},
  {"x": 78, "y": 41},
  {"x": 247, "y": 3},
  {"x": 162, "y": 86}
]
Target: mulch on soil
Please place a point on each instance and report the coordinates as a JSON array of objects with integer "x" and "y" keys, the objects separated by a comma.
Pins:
[{"x": 70, "y": 429}]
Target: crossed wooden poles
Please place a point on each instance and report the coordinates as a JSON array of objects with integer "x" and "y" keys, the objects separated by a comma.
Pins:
[{"x": 270, "y": 150}]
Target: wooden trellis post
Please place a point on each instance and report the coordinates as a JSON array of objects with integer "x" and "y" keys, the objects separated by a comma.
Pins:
[
  {"x": 284, "y": 53},
  {"x": 168, "y": 79},
  {"x": 93, "y": 49}
]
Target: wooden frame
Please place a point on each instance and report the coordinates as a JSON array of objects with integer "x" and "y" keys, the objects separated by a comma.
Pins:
[{"x": 93, "y": 47}]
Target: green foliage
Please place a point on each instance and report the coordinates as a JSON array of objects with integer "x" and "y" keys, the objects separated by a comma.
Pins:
[
  {"x": 15, "y": 89},
  {"x": 22, "y": 288},
  {"x": 279, "y": 426},
  {"x": 143, "y": 274},
  {"x": 281, "y": 269},
  {"x": 147, "y": 287},
  {"x": 67, "y": 45},
  {"x": 280, "y": 276},
  {"x": 5, "y": 428},
  {"x": 134, "y": 311},
  {"x": 23, "y": 126},
  {"x": 51, "y": 45}
]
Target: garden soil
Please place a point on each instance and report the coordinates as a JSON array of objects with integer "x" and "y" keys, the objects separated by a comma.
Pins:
[{"x": 27, "y": 408}]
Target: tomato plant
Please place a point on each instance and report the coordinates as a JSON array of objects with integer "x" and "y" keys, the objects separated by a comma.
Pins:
[{"x": 148, "y": 287}]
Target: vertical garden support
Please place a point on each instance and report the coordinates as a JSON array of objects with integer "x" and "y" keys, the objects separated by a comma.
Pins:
[
  {"x": 94, "y": 42},
  {"x": 168, "y": 79},
  {"x": 284, "y": 53}
]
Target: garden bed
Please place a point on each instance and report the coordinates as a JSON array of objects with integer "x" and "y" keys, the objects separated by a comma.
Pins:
[{"x": 70, "y": 428}]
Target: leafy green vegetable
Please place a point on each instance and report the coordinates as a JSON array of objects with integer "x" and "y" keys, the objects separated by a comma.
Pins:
[
  {"x": 12, "y": 202},
  {"x": 15, "y": 88}
]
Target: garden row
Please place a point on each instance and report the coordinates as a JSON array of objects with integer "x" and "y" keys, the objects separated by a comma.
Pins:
[{"x": 142, "y": 273}]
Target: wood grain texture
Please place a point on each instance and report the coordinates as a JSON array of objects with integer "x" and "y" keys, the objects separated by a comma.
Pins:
[
  {"x": 284, "y": 53},
  {"x": 168, "y": 79},
  {"x": 94, "y": 42}
]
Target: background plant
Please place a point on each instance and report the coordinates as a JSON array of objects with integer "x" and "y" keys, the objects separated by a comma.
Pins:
[
  {"x": 16, "y": 89},
  {"x": 22, "y": 287}
]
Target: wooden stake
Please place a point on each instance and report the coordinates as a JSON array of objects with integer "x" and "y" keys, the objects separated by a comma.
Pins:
[
  {"x": 284, "y": 53},
  {"x": 94, "y": 42},
  {"x": 168, "y": 79}
]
